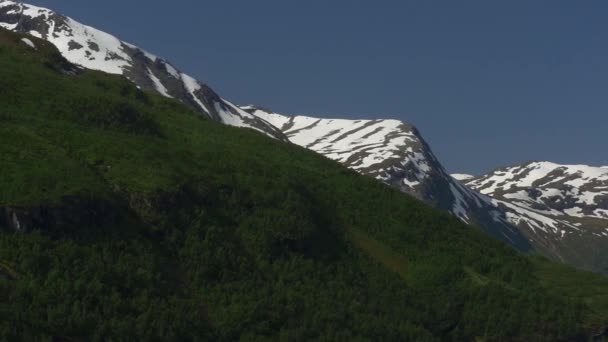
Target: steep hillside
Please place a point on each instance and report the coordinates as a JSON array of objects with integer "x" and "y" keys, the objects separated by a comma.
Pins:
[
  {"x": 564, "y": 208},
  {"x": 125, "y": 215},
  {"x": 559, "y": 211},
  {"x": 96, "y": 50},
  {"x": 395, "y": 153}
]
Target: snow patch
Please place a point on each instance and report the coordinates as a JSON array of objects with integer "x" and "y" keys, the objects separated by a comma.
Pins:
[
  {"x": 158, "y": 85},
  {"x": 576, "y": 212},
  {"x": 29, "y": 43},
  {"x": 587, "y": 197},
  {"x": 35, "y": 34},
  {"x": 8, "y": 26},
  {"x": 148, "y": 55},
  {"x": 192, "y": 86},
  {"x": 462, "y": 176},
  {"x": 171, "y": 70},
  {"x": 459, "y": 204},
  {"x": 601, "y": 213}
]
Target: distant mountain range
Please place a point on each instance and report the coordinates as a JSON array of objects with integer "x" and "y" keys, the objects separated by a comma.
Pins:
[{"x": 560, "y": 211}]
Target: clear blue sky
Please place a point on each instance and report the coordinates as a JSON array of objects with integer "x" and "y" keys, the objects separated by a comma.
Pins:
[{"x": 488, "y": 83}]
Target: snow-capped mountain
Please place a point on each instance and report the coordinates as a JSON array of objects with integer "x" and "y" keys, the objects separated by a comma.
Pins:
[
  {"x": 97, "y": 50},
  {"x": 563, "y": 208},
  {"x": 386, "y": 149},
  {"x": 395, "y": 153},
  {"x": 560, "y": 210}
]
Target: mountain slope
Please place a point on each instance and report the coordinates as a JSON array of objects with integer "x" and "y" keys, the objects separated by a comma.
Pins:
[
  {"x": 563, "y": 215},
  {"x": 97, "y": 50},
  {"x": 395, "y": 153},
  {"x": 391, "y": 151},
  {"x": 564, "y": 208},
  {"x": 125, "y": 215}
]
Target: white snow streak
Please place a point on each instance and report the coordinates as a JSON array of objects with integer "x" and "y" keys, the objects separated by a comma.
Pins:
[
  {"x": 158, "y": 84},
  {"x": 192, "y": 86},
  {"x": 28, "y": 42}
]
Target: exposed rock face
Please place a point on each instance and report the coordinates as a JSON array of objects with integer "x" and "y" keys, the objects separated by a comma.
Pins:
[{"x": 93, "y": 49}]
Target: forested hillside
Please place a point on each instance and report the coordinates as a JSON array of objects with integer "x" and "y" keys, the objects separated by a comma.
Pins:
[{"x": 126, "y": 216}]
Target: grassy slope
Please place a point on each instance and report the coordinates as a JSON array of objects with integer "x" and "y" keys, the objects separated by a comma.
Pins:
[{"x": 222, "y": 233}]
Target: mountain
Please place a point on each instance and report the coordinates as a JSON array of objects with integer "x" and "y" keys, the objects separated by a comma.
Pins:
[
  {"x": 126, "y": 215},
  {"x": 560, "y": 211},
  {"x": 96, "y": 50},
  {"x": 395, "y": 153},
  {"x": 563, "y": 208},
  {"x": 389, "y": 150}
]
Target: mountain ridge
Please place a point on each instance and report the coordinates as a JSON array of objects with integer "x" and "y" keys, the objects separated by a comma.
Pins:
[
  {"x": 97, "y": 50},
  {"x": 395, "y": 153}
]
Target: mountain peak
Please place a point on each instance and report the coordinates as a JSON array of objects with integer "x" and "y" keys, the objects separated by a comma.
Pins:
[{"x": 395, "y": 153}]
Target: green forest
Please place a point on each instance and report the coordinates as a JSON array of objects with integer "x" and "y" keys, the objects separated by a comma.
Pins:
[{"x": 127, "y": 216}]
